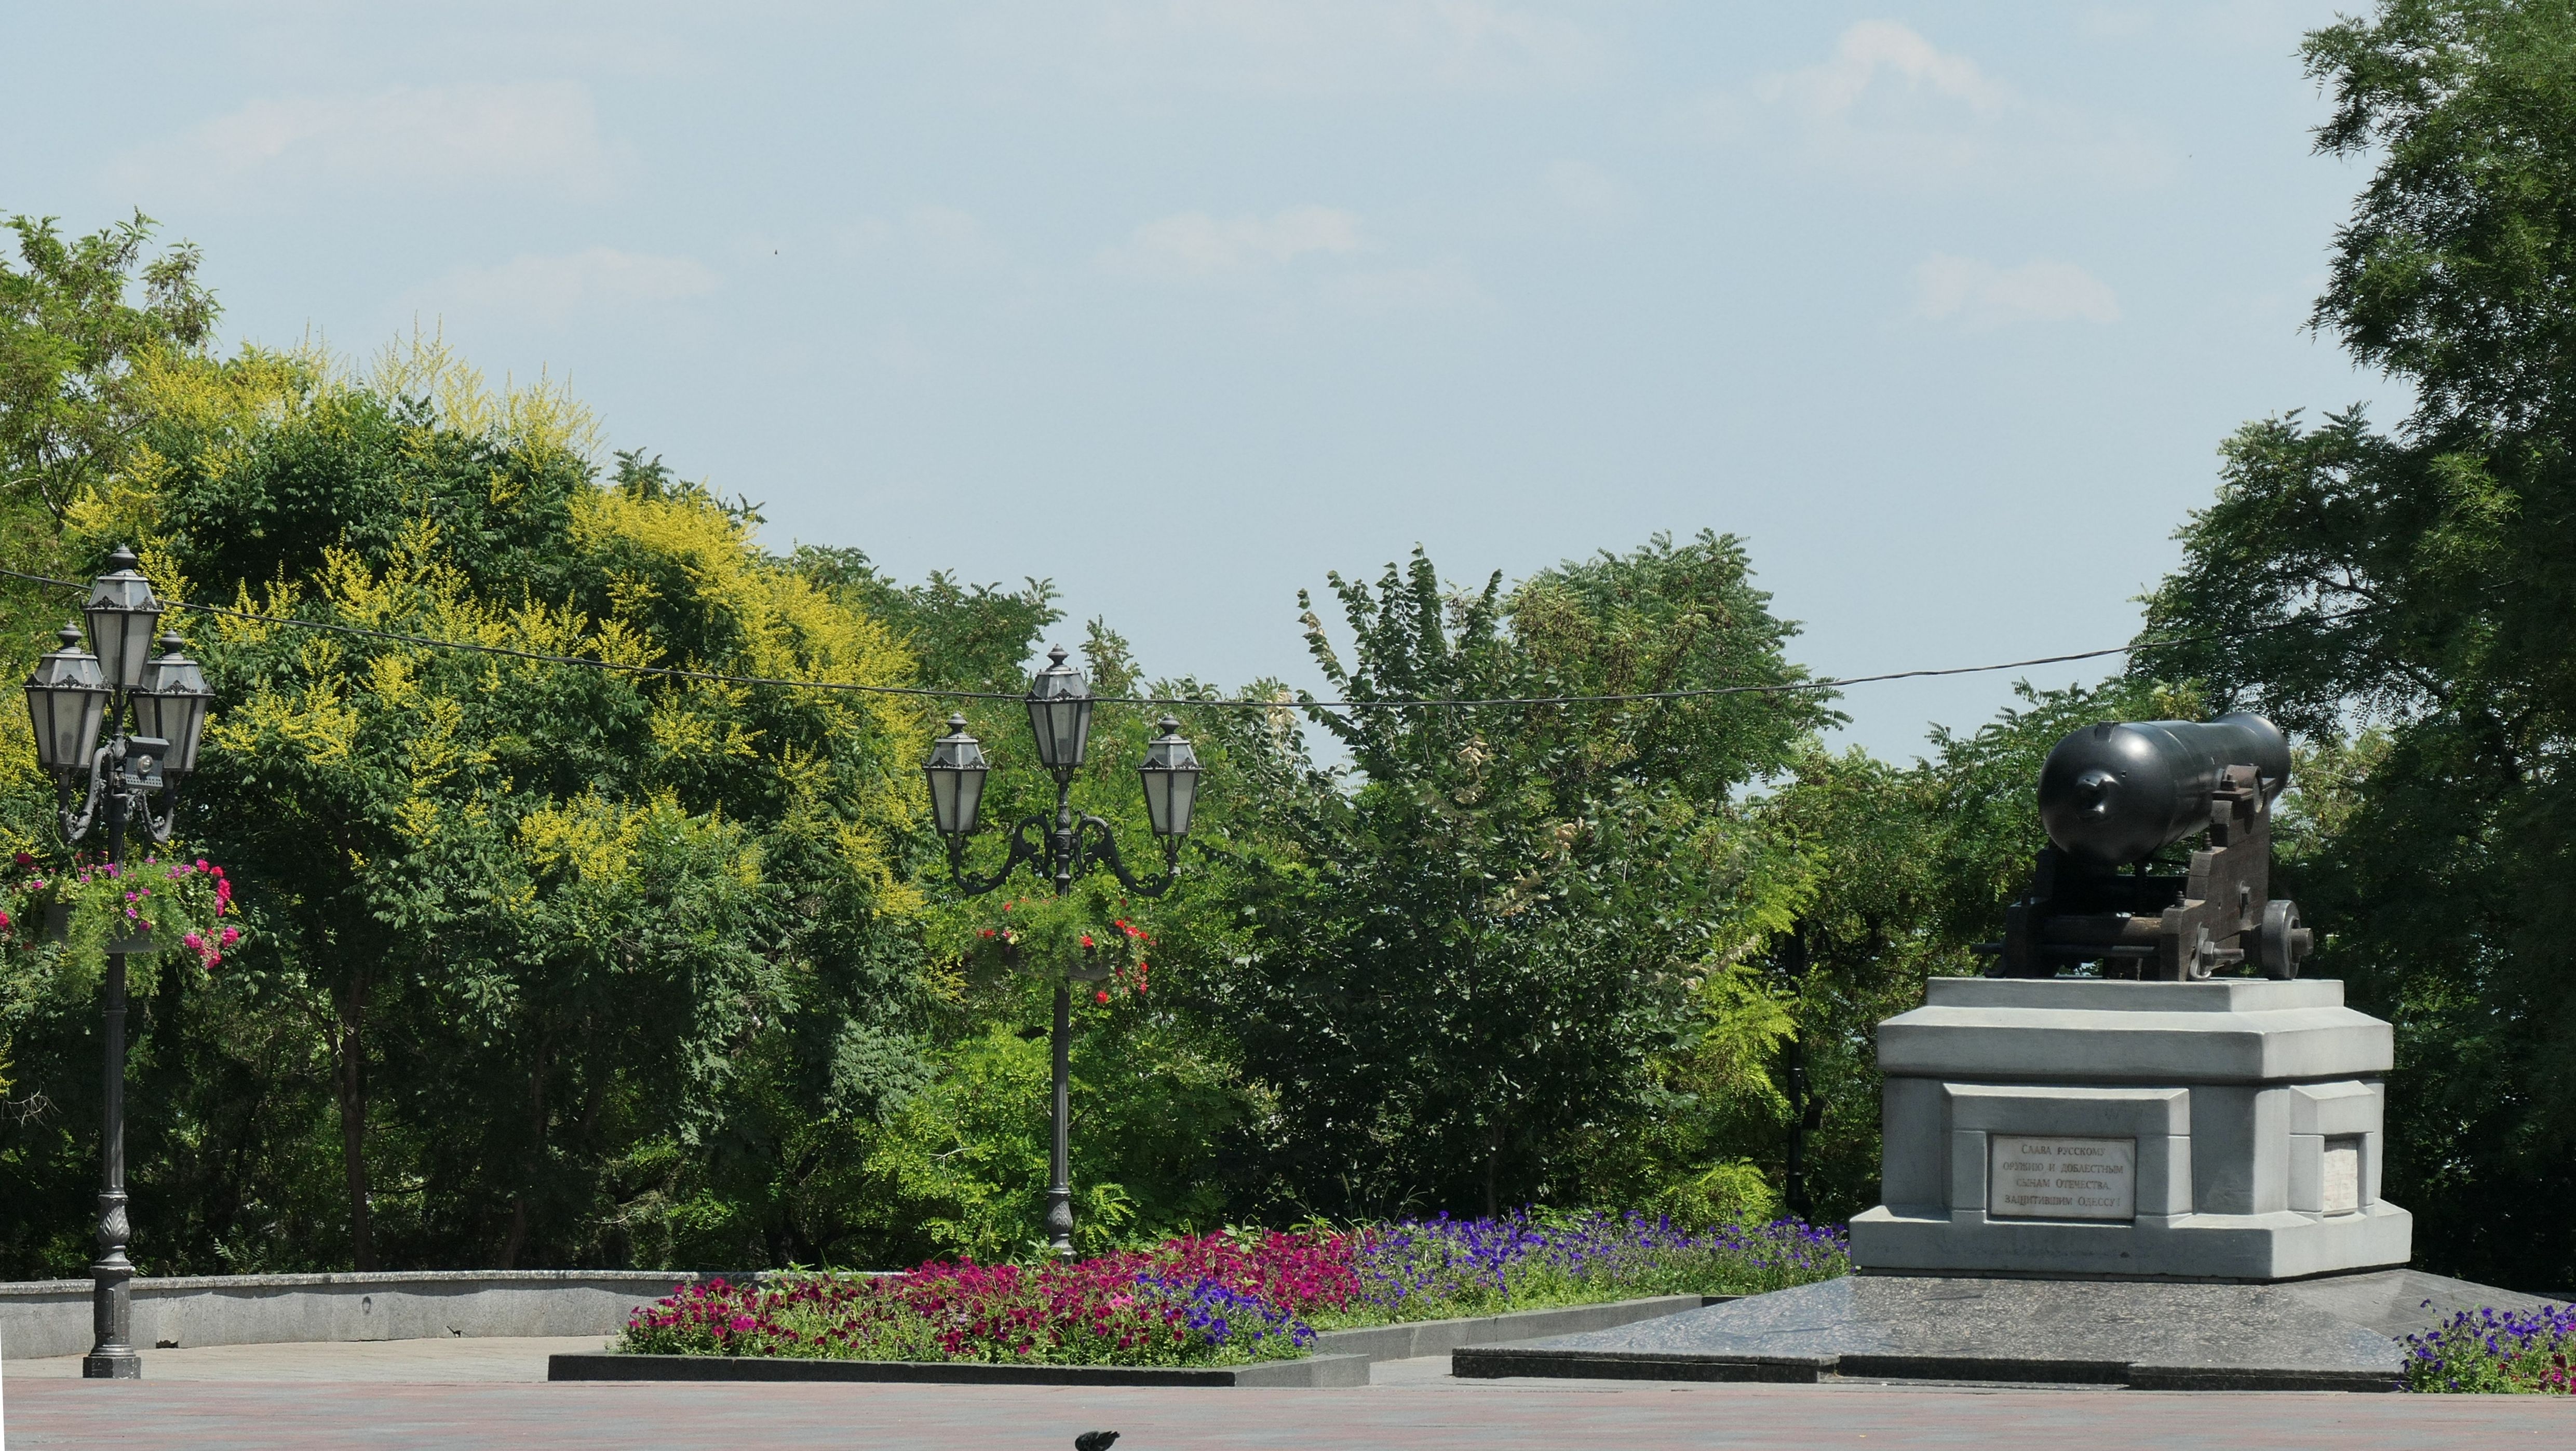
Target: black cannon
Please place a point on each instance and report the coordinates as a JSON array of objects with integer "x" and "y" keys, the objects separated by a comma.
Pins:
[{"x": 2112, "y": 796}]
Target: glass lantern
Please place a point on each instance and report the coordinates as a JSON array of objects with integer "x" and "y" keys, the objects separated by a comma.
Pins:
[
  {"x": 171, "y": 703},
  {"x": 956, "y": 772},
  {"x": 122, "y": 614},
  {"x": 1060, "y": 715},
  {"x": 67, "y": 703},
  {"x": 1171, "y": 777}
]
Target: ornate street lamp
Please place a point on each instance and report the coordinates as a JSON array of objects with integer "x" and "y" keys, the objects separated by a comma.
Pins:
[
  {"x": 72, "y": 696},
  {"x": 1067, "y": 848}
]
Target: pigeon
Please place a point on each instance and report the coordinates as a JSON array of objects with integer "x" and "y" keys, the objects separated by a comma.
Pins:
[{"x": 1094, "y": 1440}]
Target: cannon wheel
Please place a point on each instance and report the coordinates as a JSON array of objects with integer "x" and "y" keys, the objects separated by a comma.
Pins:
[{"x": 2281, "y": 941}]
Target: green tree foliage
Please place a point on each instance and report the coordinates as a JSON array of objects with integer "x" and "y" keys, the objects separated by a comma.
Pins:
[
  {"x": 967, "y": 637},
  {"x": 1463, "y": 970},
  {"x": 1158, "y": 1095},
  {"x": 77, "y": 314},
  {"x": 2401, "y": 599},
  {"x": 69, "y": 337},
  {"x": 536, "y": 924}
]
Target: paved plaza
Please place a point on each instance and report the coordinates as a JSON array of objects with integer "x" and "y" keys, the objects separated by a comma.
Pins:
[{"x": 491, "y": 1393}]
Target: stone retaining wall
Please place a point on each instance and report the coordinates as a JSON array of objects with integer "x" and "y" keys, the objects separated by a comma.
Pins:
[{"x": 52, "y": 1317}]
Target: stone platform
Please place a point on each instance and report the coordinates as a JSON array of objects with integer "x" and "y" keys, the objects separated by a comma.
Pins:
[
  {"x": 2338, "y": 1333},
  {"x": 2220, "y": 1130}
]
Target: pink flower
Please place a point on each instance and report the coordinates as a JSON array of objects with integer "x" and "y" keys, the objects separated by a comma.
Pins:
[{"x": 231, "y": 935}]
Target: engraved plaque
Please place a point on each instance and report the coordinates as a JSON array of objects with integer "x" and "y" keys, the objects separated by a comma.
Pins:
[
  {"x": 2031, "y": 1176},
  {"x": 2343, "y": 1176}
]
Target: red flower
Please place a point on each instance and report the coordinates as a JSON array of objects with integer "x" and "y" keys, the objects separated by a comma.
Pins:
[
  {"x": 1086, "y": 941},
  {"x": 1102, "y": 995}
]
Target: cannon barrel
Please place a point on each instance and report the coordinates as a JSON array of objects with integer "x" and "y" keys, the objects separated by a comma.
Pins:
[{"x": 2111, "y": 794}]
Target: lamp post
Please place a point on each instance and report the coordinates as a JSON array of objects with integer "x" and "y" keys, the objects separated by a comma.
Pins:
[
  {"x": 71, "y": 697},
  {"x": 1064, "y": 848}
]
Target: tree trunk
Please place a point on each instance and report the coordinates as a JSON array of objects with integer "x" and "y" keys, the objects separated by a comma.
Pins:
[
  {"x": 518, "y": 1240},
  {"x": 518, "y": 1232},
  {"x": 1797, "y": 1176},
  {"x": 350, "y": 1054}
]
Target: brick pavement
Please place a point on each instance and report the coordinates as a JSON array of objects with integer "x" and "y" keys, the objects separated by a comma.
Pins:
[{"x": 1501, "y": 1416}]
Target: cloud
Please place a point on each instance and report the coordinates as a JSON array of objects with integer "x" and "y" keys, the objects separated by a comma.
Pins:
[
  {"x": 534, "y": 136},
  {"x": 1300, "y": 47},
  {"x": 1443, "y": 286},
  {"x": 553, "y": 288},
  {"x": 1889, "y": 106},
  {"x": 1870, "y": 56},
  {"x": 1983, "y": 295},
  {"x": 1196, "y": 245}
]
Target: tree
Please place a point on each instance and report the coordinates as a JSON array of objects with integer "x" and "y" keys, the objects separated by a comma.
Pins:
[
  {"x": 2400, "y": 600},
  {"x": 1461, "y": 972},
  {"x": 72, "y": 334},
  {"x": 541, "y": 921},
  {"x": 69, "y": 340}
]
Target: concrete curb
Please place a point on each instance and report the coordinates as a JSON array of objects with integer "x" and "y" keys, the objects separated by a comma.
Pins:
[
  {"x": 1341, "y": 1357},
  {"x": 1493, "y": 1362},
  {"x": 1313, "y": 1370},
  {"x": 1489, "y": 1362}
]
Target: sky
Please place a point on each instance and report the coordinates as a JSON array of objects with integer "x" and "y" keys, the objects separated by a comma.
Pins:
[{"x": 1944, "y": 309}]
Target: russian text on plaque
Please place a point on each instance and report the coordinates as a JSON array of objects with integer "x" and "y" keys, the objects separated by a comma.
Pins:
[{"x": 2032, "y": 1176}]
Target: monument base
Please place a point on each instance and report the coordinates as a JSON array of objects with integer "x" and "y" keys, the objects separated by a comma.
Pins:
[
  {"x": 2221, "y": 1130},
  {"x": 2343, "y": 1332},
  {"x": 2216, "y": 1247}
]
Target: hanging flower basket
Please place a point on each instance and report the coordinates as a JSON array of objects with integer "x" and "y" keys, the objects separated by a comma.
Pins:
[
  {"x": 58, "y": 928},
  {"x": 1077, "y": 938},
  {"x": 76, "y": 915}
]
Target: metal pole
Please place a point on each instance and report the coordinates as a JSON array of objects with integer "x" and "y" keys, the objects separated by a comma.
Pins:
[
  {"x": 1059, "y": 1212},
  {"x": 111, "y": 1291}
]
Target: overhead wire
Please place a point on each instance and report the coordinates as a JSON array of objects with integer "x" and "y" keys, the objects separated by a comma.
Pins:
[{"x": 669, "y": 672}]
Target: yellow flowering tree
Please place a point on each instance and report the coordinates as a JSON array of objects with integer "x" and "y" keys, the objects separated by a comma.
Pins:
[{"x": 533, "y": 922}]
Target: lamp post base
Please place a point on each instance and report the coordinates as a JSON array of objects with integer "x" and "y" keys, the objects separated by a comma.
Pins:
[
  {"x": 1059, "y": 1221},
  {"x": 111, "y": 1365}
]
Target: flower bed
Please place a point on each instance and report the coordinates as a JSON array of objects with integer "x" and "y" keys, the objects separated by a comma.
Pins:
[
  {"x": 2496, "y": 1350},
  {"x": 1231, "y": 1298}
]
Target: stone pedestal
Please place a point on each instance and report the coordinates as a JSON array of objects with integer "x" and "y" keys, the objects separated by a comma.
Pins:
[{"x": 2222, "y": 1130}]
